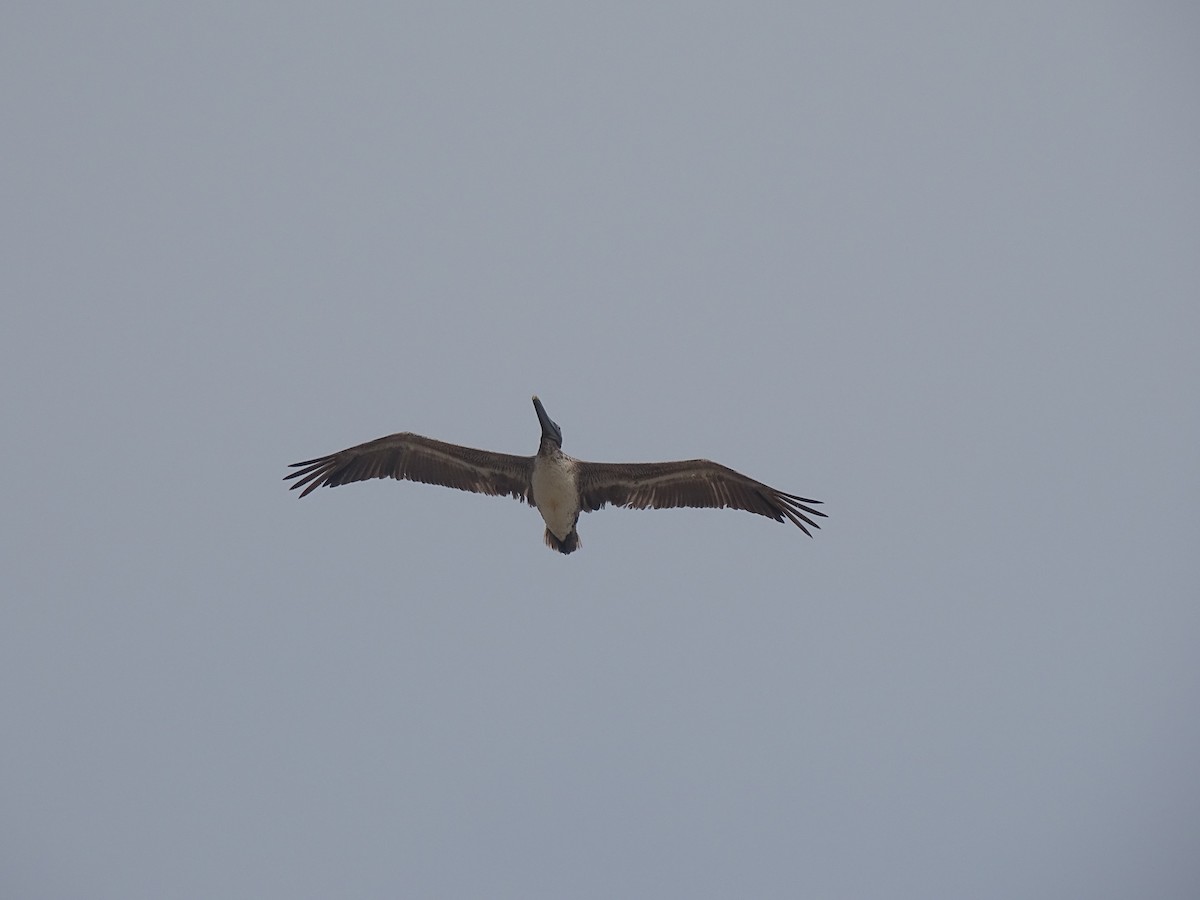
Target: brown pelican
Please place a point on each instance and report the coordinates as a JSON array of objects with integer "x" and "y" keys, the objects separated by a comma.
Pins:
[{"x": 558, "y": 485}]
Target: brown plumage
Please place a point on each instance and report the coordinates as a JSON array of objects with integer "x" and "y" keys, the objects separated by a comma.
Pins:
[
  {"x": 569, "y": 486},
  {"x": 691, "y": 482},
  {"x": 411, "y": 457}
]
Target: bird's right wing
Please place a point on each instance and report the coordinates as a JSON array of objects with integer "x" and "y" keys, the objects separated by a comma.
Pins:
[{"x": 411, "y": 457}]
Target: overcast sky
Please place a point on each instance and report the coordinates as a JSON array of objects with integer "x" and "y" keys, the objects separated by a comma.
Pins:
[{"x": 936, "y": 265}]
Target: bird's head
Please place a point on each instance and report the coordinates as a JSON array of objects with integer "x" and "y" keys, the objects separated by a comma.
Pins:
[{"x": 550, "y": 430}]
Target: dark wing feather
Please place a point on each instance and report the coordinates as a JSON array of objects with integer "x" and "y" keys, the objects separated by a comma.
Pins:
[
  {"x": 692, "y": 482},
  {"x": 411, "y": 457}
]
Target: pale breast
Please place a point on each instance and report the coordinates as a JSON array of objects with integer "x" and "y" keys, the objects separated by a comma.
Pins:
[{"x": 555, "y": 493}]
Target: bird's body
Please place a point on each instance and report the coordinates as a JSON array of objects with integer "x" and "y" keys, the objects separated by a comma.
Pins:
[
  {"x": 560, "y": 486},
  {"x": 556, "y": 495}
]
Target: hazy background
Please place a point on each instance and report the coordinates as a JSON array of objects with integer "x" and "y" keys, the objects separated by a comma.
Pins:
[{"x": 936, "y": 265}]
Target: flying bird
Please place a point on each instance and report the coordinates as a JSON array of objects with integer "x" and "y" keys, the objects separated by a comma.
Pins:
[{"x": 560, "y": 486}]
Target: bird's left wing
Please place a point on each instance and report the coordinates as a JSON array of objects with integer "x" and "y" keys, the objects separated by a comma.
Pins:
[{"x": 692, "y": 482}]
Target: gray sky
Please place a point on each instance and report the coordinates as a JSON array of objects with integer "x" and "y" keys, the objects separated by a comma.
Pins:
[{"x": 936, "y": 266}]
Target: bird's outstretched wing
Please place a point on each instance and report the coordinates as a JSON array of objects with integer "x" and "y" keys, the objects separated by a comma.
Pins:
[
  {"x": 692, "y": 482},
  {"x": 411, "y": 457}
]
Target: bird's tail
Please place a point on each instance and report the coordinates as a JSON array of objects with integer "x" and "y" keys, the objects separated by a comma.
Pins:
[{"x": 569, "y": 544}]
